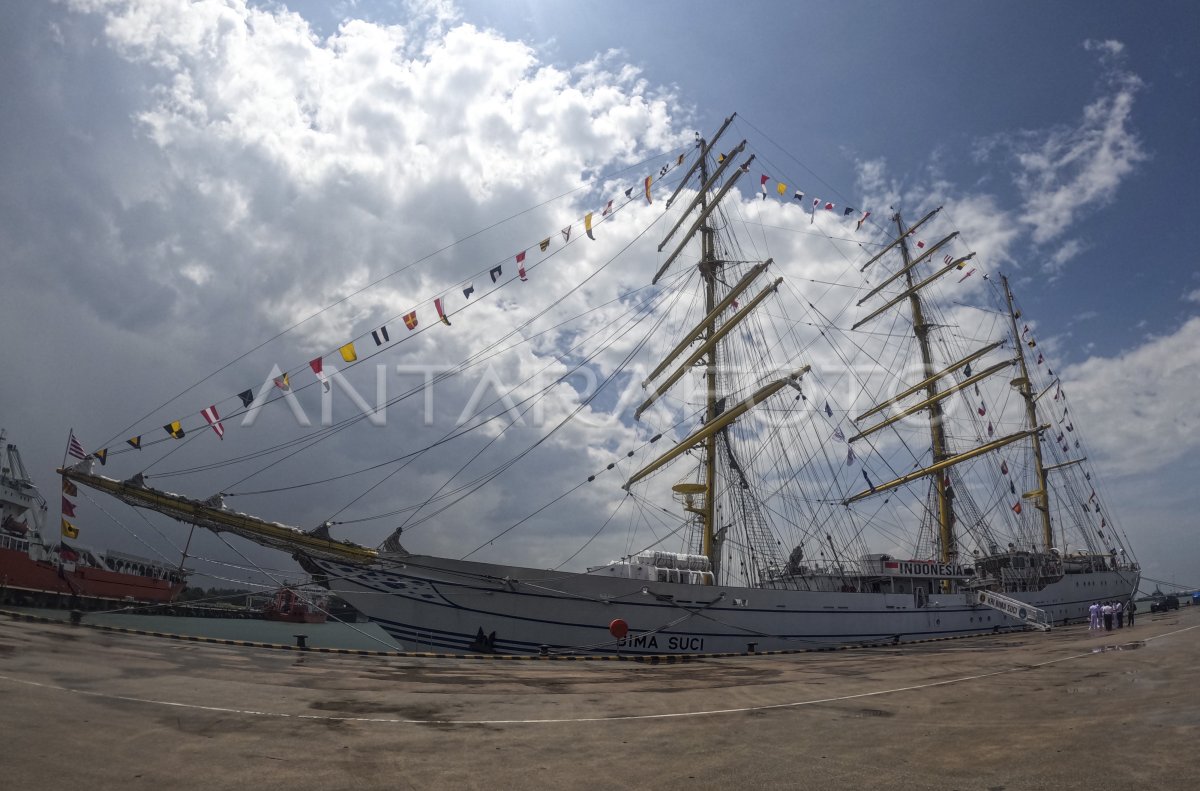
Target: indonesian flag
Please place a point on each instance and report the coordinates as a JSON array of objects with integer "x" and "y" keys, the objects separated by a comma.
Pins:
[
  {"x": 762, "y": 184},
  {"x": 521, "y": 261},
  {"x": 318, "y": 367},
  {"x": 829, "y": 206},
  {"x": 862, "y": 219},
  {"x": 214, "y": 419}
]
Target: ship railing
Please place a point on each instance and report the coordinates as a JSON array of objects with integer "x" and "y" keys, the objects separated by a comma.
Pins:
[{"x": 14, "y": 543}]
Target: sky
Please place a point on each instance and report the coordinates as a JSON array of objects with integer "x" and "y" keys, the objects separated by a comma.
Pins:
[{"x": 185, "y": 181}]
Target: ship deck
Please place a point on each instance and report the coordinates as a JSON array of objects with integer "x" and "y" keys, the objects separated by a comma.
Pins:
[{"x": 1065, "y": 709}]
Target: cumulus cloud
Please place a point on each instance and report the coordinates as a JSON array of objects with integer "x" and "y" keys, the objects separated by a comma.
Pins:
[
  {"x": 1065, "y": 252},
  {"x": 222, "y": 172},
  {"x": 1109, "y": 48},
  {"x": 1135, "y": 398},
  {"x": 1070, "y": 170}
]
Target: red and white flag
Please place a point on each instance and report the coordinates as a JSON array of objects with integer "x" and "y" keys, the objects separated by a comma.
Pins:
[
  {"x": 74, "y": 448},
  {"x": 214, "y": 420},
  {"x": 318, "y": 367},
  {"x": 437, "y": 304}
]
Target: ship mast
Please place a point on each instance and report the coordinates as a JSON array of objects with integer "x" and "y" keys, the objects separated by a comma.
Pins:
[
  {"x": 1040, "y": 496},
  {"x": 948, "y": 544},
  {"x": 709, "y": 332},
  {"x": 709, "y": 266}
]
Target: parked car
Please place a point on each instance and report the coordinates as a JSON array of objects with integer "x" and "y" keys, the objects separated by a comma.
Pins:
[{"x": 1164, "y": 604}]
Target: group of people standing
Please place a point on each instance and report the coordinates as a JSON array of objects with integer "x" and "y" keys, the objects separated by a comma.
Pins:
[{"x": 1104, "y": 613}]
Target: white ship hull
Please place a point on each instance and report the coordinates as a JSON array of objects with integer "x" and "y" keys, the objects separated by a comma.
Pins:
[{"x": 436, "y": 604}]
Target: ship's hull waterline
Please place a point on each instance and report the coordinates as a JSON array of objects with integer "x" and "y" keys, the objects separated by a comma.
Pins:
[{"x": 436, "y": 604}]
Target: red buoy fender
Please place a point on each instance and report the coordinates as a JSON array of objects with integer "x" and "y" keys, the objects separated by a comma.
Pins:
[{"x": 618, "y": 628}]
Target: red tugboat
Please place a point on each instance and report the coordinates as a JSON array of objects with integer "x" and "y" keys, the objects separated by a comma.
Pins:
[
  {"x": 36, "y": 572},
  {"x": 290, "y": 606}
]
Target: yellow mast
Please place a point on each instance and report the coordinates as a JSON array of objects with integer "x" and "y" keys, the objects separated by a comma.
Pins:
[
  {"x": 709, "y": 267},
  {"x": 948, "y": 545},
  {"x": 213, "y": 514},
  {"x": 944, "y": 464},
  {"x": 707, "y": 346},
  {"x": 1040, "y": 496},
  {"x": 712, "y": 427}
]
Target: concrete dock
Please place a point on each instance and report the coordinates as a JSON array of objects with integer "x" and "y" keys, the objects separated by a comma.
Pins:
[{"x": 87, "y": 709}]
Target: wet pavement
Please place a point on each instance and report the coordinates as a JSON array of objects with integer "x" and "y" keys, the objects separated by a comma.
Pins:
[{"x": 87, "y": 709}]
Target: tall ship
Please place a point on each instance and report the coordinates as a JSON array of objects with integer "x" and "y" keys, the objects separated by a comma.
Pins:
[
  {"x": 876, "y": 452},
  {"x": 37, "y": 569}
]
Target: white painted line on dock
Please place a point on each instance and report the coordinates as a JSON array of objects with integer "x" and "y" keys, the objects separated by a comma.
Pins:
[{"x": 564, "y": 720}]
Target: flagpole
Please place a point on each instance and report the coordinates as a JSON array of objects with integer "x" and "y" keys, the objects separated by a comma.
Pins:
[{"x": 70, "y": 433}]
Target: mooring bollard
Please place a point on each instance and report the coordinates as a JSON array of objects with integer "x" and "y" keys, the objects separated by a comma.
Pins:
[
  {"x": 76, "y": 617},
  {"x": 301, "y": 641}
]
